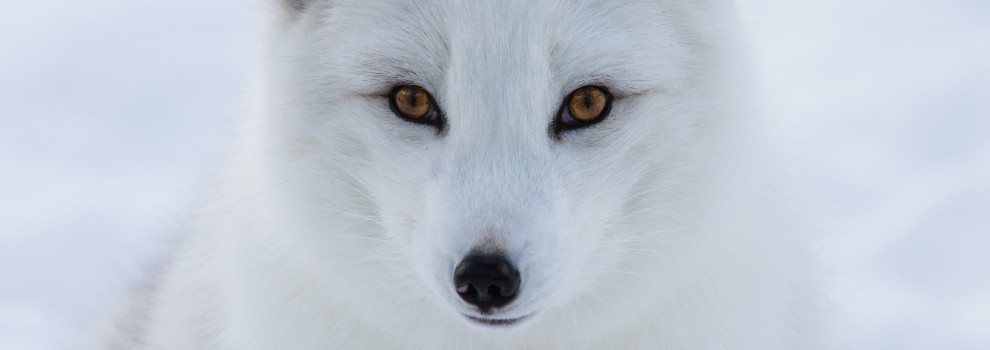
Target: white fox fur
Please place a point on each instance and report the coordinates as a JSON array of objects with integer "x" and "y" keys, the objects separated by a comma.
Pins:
[{"x": 338, "y": 224}]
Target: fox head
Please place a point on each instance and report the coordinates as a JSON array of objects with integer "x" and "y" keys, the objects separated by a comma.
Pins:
[{"x": 495, "y": 163}]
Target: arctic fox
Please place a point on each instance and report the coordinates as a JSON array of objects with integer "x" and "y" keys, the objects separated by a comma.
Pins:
[{"x": 498, "y": 174}]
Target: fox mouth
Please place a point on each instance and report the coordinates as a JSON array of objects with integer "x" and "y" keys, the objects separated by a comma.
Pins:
[{"x": 497, "y": 322}]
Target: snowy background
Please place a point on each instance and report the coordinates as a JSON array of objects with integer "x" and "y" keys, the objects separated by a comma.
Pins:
[{"x": 111, "y": 110}]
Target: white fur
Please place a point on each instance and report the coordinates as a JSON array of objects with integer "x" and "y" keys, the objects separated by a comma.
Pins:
[{"x": 338, "y": 224}]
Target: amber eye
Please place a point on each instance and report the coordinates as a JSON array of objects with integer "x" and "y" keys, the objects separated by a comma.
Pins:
[
  {"x": 583, "y": 107},
  {"x": 413, "y": 103}
]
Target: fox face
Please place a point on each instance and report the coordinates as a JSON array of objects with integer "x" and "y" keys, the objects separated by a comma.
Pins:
[{"x": 492, "y": 163}]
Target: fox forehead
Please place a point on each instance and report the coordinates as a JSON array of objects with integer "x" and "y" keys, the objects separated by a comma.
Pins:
[{"x": 564, "y": 43}]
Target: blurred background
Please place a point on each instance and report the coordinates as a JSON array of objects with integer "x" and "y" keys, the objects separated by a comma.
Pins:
[{"x": 112, "y": 112}]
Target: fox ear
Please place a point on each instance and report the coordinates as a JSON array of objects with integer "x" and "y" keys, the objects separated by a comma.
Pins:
[
  {"x": 295, "y": 5},
  {"x": 292, "y": 8}
]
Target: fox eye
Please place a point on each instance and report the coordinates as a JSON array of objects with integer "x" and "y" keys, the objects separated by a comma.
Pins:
[
  {"x": 583, "y": 107},
  {"x": 413, "y": 103}
]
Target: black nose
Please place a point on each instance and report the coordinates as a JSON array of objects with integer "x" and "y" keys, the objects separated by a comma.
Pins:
[{"x": 486, "y": 281}]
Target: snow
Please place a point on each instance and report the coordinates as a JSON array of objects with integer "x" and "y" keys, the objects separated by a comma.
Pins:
[
  {"x": 889, "y": 102},
  {"x": 110, "y": 110}
]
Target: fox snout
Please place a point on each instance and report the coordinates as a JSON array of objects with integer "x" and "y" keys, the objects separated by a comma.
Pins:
[{"x": 486, "y": 281}]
